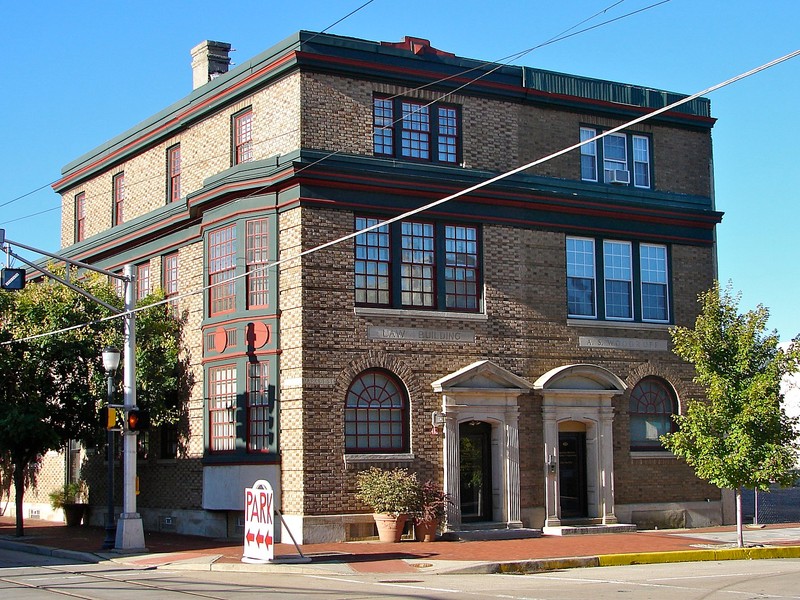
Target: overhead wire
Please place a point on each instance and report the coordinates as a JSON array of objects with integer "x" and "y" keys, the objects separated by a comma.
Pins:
[
  {"x": 497, "y": 64},
  {"x": 438, "y": 202}
]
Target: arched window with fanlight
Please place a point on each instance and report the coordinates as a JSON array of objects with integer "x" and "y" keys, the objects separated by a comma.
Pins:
[
  {"x": 376, "y": 414},
  {"x": 652, "y": 405}
]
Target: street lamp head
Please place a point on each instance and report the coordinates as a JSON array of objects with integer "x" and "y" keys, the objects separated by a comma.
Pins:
[{"x": 111, "y": 360}]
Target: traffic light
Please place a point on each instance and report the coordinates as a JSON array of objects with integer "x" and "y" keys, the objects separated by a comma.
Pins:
[
  {"x": 108, "y": 417},
  {"x": 138, "y": 419}
]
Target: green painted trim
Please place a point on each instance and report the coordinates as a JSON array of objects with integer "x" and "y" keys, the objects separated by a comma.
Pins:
[{"x": 365, "y": 59}]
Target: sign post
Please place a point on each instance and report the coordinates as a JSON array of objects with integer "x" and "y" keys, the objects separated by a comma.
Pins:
[{"x": 259, "y": 526}]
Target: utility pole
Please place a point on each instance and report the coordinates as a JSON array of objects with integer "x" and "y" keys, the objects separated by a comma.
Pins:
[{"x": 130, "y": 533}]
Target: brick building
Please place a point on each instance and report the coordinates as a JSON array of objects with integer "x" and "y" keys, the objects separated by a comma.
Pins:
[{"x": 511, "y": 344}]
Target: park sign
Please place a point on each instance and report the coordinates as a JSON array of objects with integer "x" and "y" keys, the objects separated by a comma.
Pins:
[{"x": 259, "y": 525}]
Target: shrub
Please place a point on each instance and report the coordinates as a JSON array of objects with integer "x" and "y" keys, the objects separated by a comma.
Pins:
[{"x": 395, "y": 492}]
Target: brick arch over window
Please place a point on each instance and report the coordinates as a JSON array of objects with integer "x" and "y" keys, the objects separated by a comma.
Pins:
[
  {"x": 376, "y": 416},
  {"x": 652, "y": 404}
]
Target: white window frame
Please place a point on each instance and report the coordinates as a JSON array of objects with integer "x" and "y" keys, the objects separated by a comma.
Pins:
[
  {"x": 646, "y": 274},
  {"x": 610, "y": 269},
  {"x": 637, "y": 160},
  {"x": 614, "y": 164},
  {"x": 589, "y": 151},
  {"x": 583, "y": 276}
]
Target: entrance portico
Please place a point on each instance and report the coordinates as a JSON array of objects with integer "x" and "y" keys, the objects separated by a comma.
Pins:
[
  {"x": 578, "y": 443},
  {"x": 480, "y": 402}
]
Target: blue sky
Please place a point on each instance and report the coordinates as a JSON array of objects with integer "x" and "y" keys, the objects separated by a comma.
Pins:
[{"x": 78, "y": 73}]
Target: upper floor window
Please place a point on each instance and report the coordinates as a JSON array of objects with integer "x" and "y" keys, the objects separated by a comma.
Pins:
[
  {"x": 142, "y": 280},
  {"x": 118, "y": 192},
  {"x": 259, "y": 417},
  {"x": 174, "y": 173},
  {"x": 221, "y": 270},
  {"x": 80, "y": 217},
  {"x": 619, "y": 154},
  {"x": 614, "y": 267},
  {"x": 256, "y": 259},
  {"x": 376, "y": 414},
  {"x": 411, "y": 129},
  {"x": 243, "y": 137},
  {"x": 222, "y": 408},
  {"x": 170, "y": 278},
  {"x": 436, "y": 265},
  {"x": 652, "y": 405}
]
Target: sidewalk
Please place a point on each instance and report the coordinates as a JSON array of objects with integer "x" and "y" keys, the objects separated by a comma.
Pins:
[{"x": 173, "y": 551}]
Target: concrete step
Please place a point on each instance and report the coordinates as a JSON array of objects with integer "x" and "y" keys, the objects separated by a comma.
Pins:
[
  {"x": 589, "y": 529},
  {"x": 491, "y": 533}
]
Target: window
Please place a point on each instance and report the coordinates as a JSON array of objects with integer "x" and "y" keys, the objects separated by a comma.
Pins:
[
  {"x": 435, "y": 265},
  {"x": 170, "y": 278},
  {"x": 80, "y": 217},
  {"x": 174, "y": 173},
  {"x": 653, "y": 266},
  {"x": 256, "y": 259},
  {"x": 580, "y": 277},
  {"x": 588, "y": 155},
  {"x": 652, "y": 405},
  {"x": 641, "y": 161},
  {"x": 222, "y": 408},
  {"x": 614, "y": 263},
  {"x": 243, "y": 137},
  {"x": 221, "y": 270},
  {"x": 416, "y": 130},
  {"x": 618, "y": 280},
  {"x": 119, "y": 285},
  {"x": 118, "y": 187},
  {"x": 620, "y": 154},
  {"x": 142, "y": 280},
  {"x": 168, "y": 441},
  {"x": 376, "y": 414},
  {"x": 461, "y": 267},
  {"x": 259, "y": 430},
  {"x": 372, "y": 264},
  {"x": 417, "y": 266}
]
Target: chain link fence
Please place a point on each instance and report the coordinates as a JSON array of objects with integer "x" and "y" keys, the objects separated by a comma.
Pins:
[{"x": 779, "y": 505}]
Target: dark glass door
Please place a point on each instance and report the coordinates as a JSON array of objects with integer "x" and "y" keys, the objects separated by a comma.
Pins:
[
  {"x": 475, "y": 448},
  {"x": 572, "y": 474}
]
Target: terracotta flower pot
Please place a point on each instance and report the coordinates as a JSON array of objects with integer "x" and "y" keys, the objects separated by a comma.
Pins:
[
  {"x": 390, "y": 528},
  {"x": 425, "y": 531}
]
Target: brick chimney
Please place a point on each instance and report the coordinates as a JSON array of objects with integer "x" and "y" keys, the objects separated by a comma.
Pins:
[{"x": 209, "y": 60}]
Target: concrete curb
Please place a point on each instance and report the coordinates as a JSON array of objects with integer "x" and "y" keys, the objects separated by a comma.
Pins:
[
  {"x": 611, "y": 560},
  {"x": 86, "y": 557}
]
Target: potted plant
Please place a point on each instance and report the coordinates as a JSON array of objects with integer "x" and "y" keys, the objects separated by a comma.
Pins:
[
  {"x": 431, "y": 511},
  {"x": 392, "y": 495},
  {"x": 71, "y": 499}
]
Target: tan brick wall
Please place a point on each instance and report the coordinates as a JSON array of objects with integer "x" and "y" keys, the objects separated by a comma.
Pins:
[
  {"x": 526, "y": 332},
  {"x": 205, "y": 151}
]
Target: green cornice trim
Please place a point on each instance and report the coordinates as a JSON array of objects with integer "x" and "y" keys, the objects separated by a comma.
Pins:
[{"x": 372, "y": 60}]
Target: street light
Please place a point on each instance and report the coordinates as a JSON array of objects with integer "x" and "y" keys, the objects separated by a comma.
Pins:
[{"x": 110, "y": 364}]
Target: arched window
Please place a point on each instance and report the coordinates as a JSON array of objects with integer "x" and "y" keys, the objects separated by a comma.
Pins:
[
  {"x": 652, "y": 405},
  {"x": 376, "y": 414}
]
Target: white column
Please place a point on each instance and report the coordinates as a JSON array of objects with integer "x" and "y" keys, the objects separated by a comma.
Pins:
[
  {"x": 130, "y": 534},
  {"x": 606, "y": 449},
  {"x": 551, "y": 491},
  {"x": 452, "y": 473},
  {"x": 512, "y": 510}
]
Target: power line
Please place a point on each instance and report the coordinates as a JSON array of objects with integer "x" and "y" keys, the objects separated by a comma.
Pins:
[
  {"x": 436, "y": 203},
  {"x": 499, "y": 63}
]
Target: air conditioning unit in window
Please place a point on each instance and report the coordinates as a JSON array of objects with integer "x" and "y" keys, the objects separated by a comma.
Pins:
[{"x": 619, "y": 176}]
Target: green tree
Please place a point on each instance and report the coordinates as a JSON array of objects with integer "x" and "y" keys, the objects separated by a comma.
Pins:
[
  {"x": 740, "y": 436},
  {"x": 53, "y": 386}
]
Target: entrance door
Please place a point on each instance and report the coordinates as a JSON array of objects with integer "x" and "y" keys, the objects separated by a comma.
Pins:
[
  {"x": 475, "y": 451},
  {"x": 572, "y": 474}
]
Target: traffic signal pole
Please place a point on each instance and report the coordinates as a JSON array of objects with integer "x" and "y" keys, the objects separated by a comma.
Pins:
[{"x": 130, "y": 533}]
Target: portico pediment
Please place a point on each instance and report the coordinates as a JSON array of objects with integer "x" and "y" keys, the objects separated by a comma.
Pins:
[
  {"x": 482, "y": 375},
  {"x": 580, "y": 377}
]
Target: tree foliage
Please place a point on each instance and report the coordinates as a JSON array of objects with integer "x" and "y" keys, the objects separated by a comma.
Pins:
[
  {"x": 740, "y": 436},
  {"x": 52, "y": 387}
]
